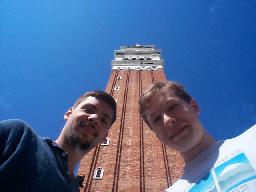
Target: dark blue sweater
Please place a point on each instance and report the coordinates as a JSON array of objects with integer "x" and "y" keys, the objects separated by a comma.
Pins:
[{"x": 31, "y": 163}]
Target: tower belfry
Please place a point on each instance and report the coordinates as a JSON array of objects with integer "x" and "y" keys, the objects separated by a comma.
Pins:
[
  {"x": 137, "y": 57},
  {"x": 132, "y": 158}
]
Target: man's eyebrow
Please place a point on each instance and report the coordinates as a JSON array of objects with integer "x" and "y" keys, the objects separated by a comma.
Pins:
[
  {"x": 88, "y": 105},
  {"x": 95, "y": 108},
  {"x": 169, "y": 101}
]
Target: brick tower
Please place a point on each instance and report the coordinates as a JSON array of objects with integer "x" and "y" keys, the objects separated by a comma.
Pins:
[{"x": 132, "y": 158}]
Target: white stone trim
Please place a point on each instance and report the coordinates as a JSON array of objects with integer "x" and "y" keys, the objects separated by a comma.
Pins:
[
  {"x": 116, "y": 88},
  {"x": 106, "y": 143},
  {"x": 138, "y": 57},
  {"x": 96, "y": 171},
  {"x": 137, "y": 67}
]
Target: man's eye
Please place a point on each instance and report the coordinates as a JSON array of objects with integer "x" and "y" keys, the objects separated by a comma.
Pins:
[
  {"x": 157, "y": 119},
  {"x": 89, "y": 110},
  {"x": 173, "y": 107}
]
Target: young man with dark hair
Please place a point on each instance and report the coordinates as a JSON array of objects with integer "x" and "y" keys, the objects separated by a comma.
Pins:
[
  {"x": 172, "y": 114},
  {"x": 31, "y": 163}
]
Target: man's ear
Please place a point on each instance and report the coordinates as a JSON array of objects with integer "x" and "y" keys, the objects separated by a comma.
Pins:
[
  {"x": 195, "y": 106},
  {"x": 68, "y": 113}
]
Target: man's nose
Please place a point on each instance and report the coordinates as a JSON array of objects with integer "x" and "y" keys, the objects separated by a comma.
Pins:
[
  {"x": 94, "y": 118},
  {"x": 169, "y": 121}
]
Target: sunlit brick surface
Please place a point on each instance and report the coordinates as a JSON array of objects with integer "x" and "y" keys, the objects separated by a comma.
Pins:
[{"x": 135, "y": 160}]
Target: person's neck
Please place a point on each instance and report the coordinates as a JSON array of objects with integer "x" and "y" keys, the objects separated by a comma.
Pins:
[
  {"x": 74, "y": 155},
  {"x": 206, "y": 142}
]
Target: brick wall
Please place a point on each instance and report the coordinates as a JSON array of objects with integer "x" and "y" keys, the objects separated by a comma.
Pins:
[{"x": 135, "y": 160}]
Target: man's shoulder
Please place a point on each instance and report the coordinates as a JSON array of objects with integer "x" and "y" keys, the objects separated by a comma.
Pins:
[
  {"x": 14, "y": 125},
  {"x": 197, "y": 168},
  {"x": 181, "y": 185},
  {"x": 248, "y": 134},
  {"x": 15, "y": 130},
  {"x": 251, "y": 130}
]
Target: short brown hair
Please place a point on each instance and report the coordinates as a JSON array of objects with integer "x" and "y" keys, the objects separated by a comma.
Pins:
[
  {"x": 102, "y": 96},
  {"x": 146, "y": 96}
]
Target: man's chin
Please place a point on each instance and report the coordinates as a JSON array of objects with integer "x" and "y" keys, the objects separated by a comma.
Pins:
[
  {"x": 77, "y": 142},
  {"x": 85, "y": 146}
]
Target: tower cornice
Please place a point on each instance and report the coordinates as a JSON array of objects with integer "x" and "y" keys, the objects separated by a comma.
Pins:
[{"x": 138, "y": 57}]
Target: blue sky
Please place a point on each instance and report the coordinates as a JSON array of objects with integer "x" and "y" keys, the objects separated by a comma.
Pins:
[{"x": 53, "y": 51}]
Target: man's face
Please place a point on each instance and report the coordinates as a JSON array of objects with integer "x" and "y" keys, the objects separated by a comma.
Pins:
[
  {"x": 88, "y": 124},
  {"x": 174, "y": 121}
]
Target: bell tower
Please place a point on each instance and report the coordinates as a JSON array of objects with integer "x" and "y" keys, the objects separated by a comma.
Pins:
[{"x": 132, "y": 158}]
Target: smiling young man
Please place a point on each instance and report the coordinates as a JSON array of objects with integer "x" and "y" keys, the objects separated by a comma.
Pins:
[
  {"x": 31, "y": 163},
  {"x": 173, "y": 115}
]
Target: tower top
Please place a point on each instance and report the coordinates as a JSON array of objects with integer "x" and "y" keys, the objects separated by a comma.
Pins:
[{"x": 137, "y": 57}]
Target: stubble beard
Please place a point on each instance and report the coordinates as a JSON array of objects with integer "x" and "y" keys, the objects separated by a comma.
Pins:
[{"x": 86, "y": 144}]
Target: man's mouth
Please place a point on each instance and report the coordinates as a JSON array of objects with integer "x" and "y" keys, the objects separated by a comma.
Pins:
[
  {"x": 84, "y": 134},
  {"x": 85, "y": 127},
  {"x": 178, "y": 132}
]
